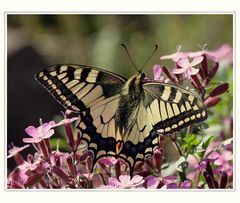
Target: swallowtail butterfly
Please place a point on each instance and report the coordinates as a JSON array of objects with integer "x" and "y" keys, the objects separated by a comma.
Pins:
[{"x": 119, "y": 117}]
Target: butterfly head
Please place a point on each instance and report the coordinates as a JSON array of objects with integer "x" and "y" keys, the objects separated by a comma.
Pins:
[{"x": 140, "y": 76}]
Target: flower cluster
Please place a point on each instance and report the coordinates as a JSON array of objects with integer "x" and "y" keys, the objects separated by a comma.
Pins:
[{"x": 201, "y": 160}]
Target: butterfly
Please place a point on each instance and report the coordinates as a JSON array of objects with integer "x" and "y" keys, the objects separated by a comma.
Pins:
[{"x": 121, "y": 118}]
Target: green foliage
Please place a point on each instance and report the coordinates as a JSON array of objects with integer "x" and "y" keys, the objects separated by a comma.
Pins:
[
  {"x": 59, "y": 143},
  {"x": 181, "y": 166},
  {"x": 191, "y": 142}
]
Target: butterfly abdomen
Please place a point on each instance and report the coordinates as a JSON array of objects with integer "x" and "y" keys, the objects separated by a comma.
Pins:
[{"x": 131, "y": 96}]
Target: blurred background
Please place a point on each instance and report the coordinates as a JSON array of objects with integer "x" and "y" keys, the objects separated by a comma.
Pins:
[{"x": 36, "y": 41}]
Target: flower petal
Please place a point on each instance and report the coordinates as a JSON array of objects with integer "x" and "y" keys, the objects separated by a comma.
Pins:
[
  {"x": 171, "y": 56},
  {"x": 196, "y": 60},
  {"x": 28, "y": 140},
  {"x": 227, "y": 155},
  {"x": 124, "y": 179},
  {"x": 109, "y": 161},
  {"x": 152, "y": 183},
  {"x": 32, "y": 131},
  {"x": 48, "y": 134},
  {"x": 214, "y": 155},
  {"x": 192, "y": 71},
  {"x": 45, "y": 127},
  {"x": 186, "y": 184},
  {"x": 113, "y": 182},
  {"x": 137, "y": 179},
  {"x": 157, "y": 71},
  {"x": 178, "y": 70},
  {"x": 195, "y": 54},
  {"x": 184, "y": 63},
  {"x": 179, "y": 56}
]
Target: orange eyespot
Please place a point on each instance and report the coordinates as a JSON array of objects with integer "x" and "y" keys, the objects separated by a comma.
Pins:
[{"x": 119, "y": 147}]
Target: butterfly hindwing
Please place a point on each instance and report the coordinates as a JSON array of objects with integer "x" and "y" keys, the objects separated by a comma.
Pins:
[{"x": 171, "y": 108}]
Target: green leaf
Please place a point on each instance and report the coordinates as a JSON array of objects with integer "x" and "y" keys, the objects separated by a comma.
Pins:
[
  {"x": 207, "y": 141},
  {"x": 181, "y": 164},
  {"x": 204, "y": 145},
  {"x": 191, "y": 142}
]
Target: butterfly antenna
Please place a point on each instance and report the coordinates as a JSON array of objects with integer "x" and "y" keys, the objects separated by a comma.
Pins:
[
  {"x": 156, "y": 47},
  {"x": 125, "y": 47}
]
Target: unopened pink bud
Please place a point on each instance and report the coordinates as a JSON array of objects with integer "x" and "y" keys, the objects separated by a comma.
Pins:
[
  {"x": 212, "y": 101},
  {"x": 168, "y": 74},
  {"x": 219, "y": 90},
  {"x": 69, "y": 134},
  {"x": 71, "y": 166},
  {"x": 33, "y": 179},
  {"x": 213, "y": 71},
  {"x": 204, "y": 66},
  {"x": 196, "y": 82}
]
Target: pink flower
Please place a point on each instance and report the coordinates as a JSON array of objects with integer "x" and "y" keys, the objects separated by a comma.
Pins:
[
  {"x": 157, "y": 71},
  {"x": 176, "y": 56},
  {"x": 58, "y": 158},
  {"x": 160, "y": 182},
  {"x": 187, "y": 67},
  {"x": 184, "y": 185},
  {"x": 158, "y": 74},
  {"x": 224, "y": 53},
  {"x": 202, "y": 53},
  {"x": 69, "y": 132},
  {"x": 153, "y": 182},
  {"x": 17, "y": 178},
  {"x": 223, "y": 162},
  {"x": 15, "y": 150},
  {"x": 125, "y": 181},
  {"x": 109, "y": 161},
  {"x": 37, "y": 165},
  {"x": 40, "y": 133}
]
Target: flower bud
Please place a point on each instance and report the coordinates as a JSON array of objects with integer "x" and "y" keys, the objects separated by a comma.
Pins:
[
  {"x": 204, "y": 66},
  {"x": 224, "y": 179},
  {"x": 157, "y": 159},
  {"x": 47, "y": 144},
  {"x": 33, "y": 179},
  {"x": 213, "y": 71},
  {"x": 118, "y": 169},
  {"x": 78, "y": 141},
  {"x": 43, "y": 183},
  {"x": 196, "y": 82},
  {"x": 18, "y": 159},
  {"x": 208, "y": 179},
  {"x": 89, "y": 162},
  {"x": 71, "y": 166},
  {"x": 168, "y": 74},
  {"x": 219, "y": 90},
  {"x": 212, "y": 101},
  {"x": 61, "y": 174},
  {"x": 69, "y": 133},
  {"x": 44, "y": 150}
]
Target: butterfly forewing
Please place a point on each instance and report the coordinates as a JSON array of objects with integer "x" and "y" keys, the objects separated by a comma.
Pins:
[{"x": 79, "y": 87}]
